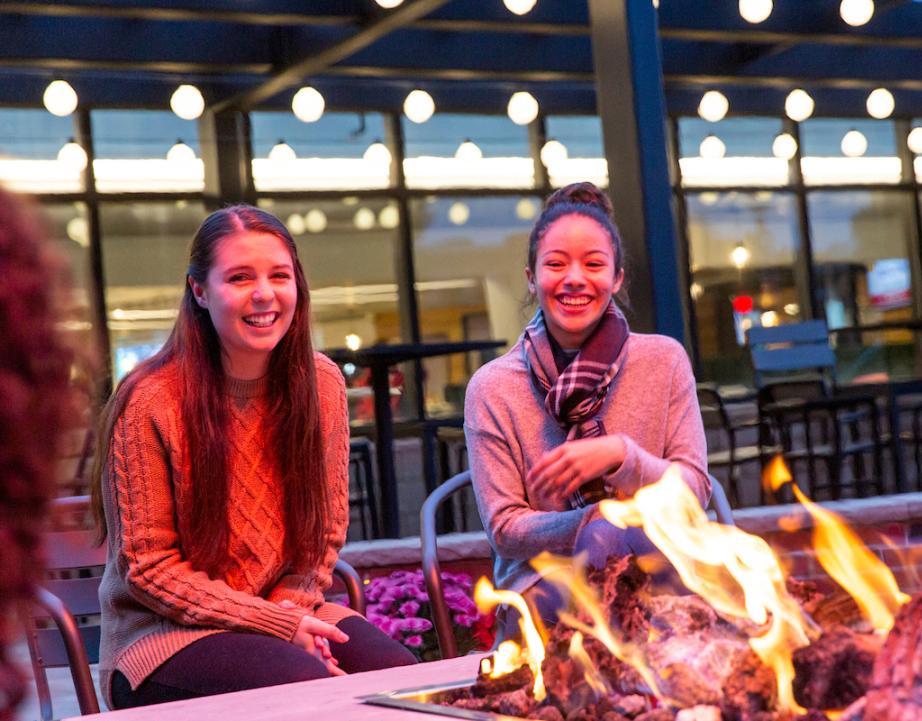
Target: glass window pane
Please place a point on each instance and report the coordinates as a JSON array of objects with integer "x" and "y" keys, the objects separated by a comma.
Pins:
[
  {"x": 742, "y": 248},
  {"x": 145, "y": 252},
  {"x": 470, "y": 255},
  {"x": 30, "y": 141},
  {"x": 585, "y": 157},
  {"x": 496, "y": 157},
  {"x": 325, "y": 155},
  {"x": 860, "y": 251},
  {"x": 146, "y": 151},
  {"x": 747, "y": 157},
  {"x": 917, "y": 144},
  {"x": 824, "y": 148}
]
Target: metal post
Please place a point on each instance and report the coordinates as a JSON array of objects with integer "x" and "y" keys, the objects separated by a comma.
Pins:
[
  {"x": 227, "y": 155},
  {"x": 812, "y": 305}
]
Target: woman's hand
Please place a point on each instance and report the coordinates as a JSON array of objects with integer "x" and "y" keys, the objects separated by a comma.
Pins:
[
  {"x": 562, "y": 470},
  {"x": 314, "y": 636}
]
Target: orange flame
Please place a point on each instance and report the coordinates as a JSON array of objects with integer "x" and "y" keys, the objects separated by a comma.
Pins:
[
  {"x": 593, "y": 676},
  {"x": 505, "y": 659},
  {"x": 847, "y": 560},
  {"x": 487, "y": 597},
  {"x": 737, "y": 573},
  {"x": 562, "y": 573}
]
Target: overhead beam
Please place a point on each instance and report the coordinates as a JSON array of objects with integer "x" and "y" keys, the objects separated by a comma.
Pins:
[
  {"x": 135, "y": 66},
  {"x": 333, "y": 54},
  {"x": 755, "y": 37},
  {"x": 788, "y": 82},
  {"x": 459, "y": 74}
]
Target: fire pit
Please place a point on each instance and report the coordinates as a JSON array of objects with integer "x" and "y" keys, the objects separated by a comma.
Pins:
[{"x": 745, "y": 644}]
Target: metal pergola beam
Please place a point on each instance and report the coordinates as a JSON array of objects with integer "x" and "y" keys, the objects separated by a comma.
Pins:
[{"x": 331, "y": 55}]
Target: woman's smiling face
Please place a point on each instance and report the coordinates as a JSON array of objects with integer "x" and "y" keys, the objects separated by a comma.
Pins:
[{"x": 574, "y": 277}]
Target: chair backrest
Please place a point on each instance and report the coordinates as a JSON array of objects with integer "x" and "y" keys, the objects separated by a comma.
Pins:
[
  {"x": 428, "y": 537},
  {"x": 790, "y": 349},
  {"x": 713, "y": 412}
]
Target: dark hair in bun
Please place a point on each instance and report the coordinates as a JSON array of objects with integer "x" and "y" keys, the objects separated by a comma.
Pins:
[{"x": 580, "y": 199}]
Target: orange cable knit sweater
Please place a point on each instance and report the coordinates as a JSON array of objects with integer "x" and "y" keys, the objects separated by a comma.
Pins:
[{"x": 153, "y": 602}]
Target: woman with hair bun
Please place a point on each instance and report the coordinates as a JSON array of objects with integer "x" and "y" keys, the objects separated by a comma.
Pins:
[
  {"x": 579, "y": 409},
  {"x": 222, "y": 486}
]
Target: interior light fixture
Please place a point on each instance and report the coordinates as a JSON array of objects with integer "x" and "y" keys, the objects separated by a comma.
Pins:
[
  {"x": 713, "y": 106},
  {"x": 914, "y": 140},
  {"x": 522, "y": 108},
  {"x": 389, "y": 217},
  {"x": 377, "y": 153},
  {"x": 364, "y": 218},
  {"x": 459, "y": 213},
  {"x": 798, "y": 105},
  {"x": 526, "y": 209},
  {"x": 187, "y": 102},
  {"x": 389, "y": 4},
  {"x": 315, "y": 220},
  {"x": 712, "y": 148},
  {"x": 553, "y": 152},
  {"x": 418, "y": 106},
  {"x": 755, "y": 11},
  {"x": 308, "y": 104},
  {"x": 856, "y": 12},
  {"x": 784, "y": 146},
  {"x": 296, "y": 224},
  {"x": 854, "y": 144},
  {"x": 881, "y": 103},
  {"x": 72, "y": 155},
  {"x": 180, "y": 152},
  {"x": 353, "y": 341},
  {"x": 468, "y": 150},
  {"x": 519, "y": 7},
  {"x": 60, "y": 98},
  {"x": 656, "y": 4},
  {"x": 282, "y": 152},
  {"x": 78, "y": 230},
  {"x": 740, "y": 255}
]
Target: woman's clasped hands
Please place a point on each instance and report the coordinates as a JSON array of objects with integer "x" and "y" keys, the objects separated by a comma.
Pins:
[
  {"x": 562, "y": 470},
  {"x": 314, "y": 636}
]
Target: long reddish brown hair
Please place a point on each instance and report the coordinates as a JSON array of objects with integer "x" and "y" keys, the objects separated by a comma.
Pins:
[{"x": 294, "y": 426}]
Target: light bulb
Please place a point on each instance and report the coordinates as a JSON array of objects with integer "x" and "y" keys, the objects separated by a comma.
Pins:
[
  {"x": 881, "y": 103},
  {"x": 526, "y": 209},
  {"x": 308, "y": 104},
  {"x": 519, "y": 7},
  {"x": 854, "y": 144},
  {"x": 914, "y": 140},
  {"x": 784, "y": 146},
  {"x": 78, "y": 230},
  {"x": 378, "y": 154},
  {"x": 187, "y": 102},
  {"x": 468, "y": 150},
  {"x": 315, "y": 220},
  {"x": 798, "y": 105},
  {"x": 180, "y": 152},
  {"x": 60, "y": 98},
  {"x": 389, "y": 217},
  {"x": 522, "y": 108},
  {"x": 389, "y": 4},
  {"x": 740, "y": 255},
  {"x": 856, "y": 12},
  {"x": 713, "y": 106},
  {"x": 296, "y": 224},
  {"x": 755, "y": 11},
  {"x": 419, "y": 106},
  {"x": 353, "y": 341},
  {"x": 712, "y": 148},
  {"x": 282, "y": 152},
  {"x": 72, "y": 155},
  {"x": 459, "y": 213},
  {"x": 364, "y": 219},
  {"x": 553, "y": 152}
]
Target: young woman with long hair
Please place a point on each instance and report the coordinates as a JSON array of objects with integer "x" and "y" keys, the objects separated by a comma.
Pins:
[
  {"x": 579, "y": 409},
  {"x": 222, "y": 488}
]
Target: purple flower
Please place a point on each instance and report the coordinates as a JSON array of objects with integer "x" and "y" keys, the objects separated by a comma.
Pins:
[
  {"x": 409, "y": 608},
  {"x": 413, "y": 641},
  {"x": 464, "y": 619},
  {"x": 413, "y": 625}
]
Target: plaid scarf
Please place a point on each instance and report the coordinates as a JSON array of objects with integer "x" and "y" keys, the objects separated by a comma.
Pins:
[{"x": 575, "y": 395}]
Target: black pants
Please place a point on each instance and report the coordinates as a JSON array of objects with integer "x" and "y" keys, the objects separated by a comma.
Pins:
[{"x": 226, "y": 662}]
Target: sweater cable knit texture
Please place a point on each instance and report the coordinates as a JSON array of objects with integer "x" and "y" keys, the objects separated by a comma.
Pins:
[{"x": 154, "y": 603}]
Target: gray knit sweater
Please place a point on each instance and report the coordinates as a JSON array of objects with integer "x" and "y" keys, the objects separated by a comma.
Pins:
[{"x": 652, "y": 403}]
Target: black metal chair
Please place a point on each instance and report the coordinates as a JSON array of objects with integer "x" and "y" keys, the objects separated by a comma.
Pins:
[
  {"x": 429, "y": 539},
  {"x": 362, "y": 486},
  {"x": 63, "y": 624}
]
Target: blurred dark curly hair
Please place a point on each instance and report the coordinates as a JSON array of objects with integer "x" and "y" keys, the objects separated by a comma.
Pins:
[{"x": 34, "y": 406}]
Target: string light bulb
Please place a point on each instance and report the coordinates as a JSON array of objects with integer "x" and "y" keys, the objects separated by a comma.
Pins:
[
  {"x": 308, "y": 104},
  {"x": 60, "y": 98},
  {"x": 519, "y": 7},
  {"x": 187, "y": 102},
  {"x": 419, "y": 106},
  {"x": 180, "y": 152},
  {"x": 856, "y": 12},
  {"x": 713, "y": 106},
  {"x": 784, "y": 146},
  {"x": 315, "y": 220},
  {"x": 881, "y": 103},
  {"x": 798, "y": 105},
  {"x": 377, "y": 153},
  {"x": 522, "y": 108},
  {"x": 914, "y": 140},
  {"x": 459, "y": 213},
  {"x": 282, "y": 152},
  {"x": 389, "y": 217},
  {"x": 854, "y": 144},
  {"x": 755, "y": 11},
  {"x": 364, "y": 219},
  {"x": 72, "y": 155},
  {"x": 712, "y": 148},
  {"x": 389, "y": 4},
  {"x": 553, "y": 152},
  {"x": 740, "y": 256},
  {"x": 468, "y": 150}
]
